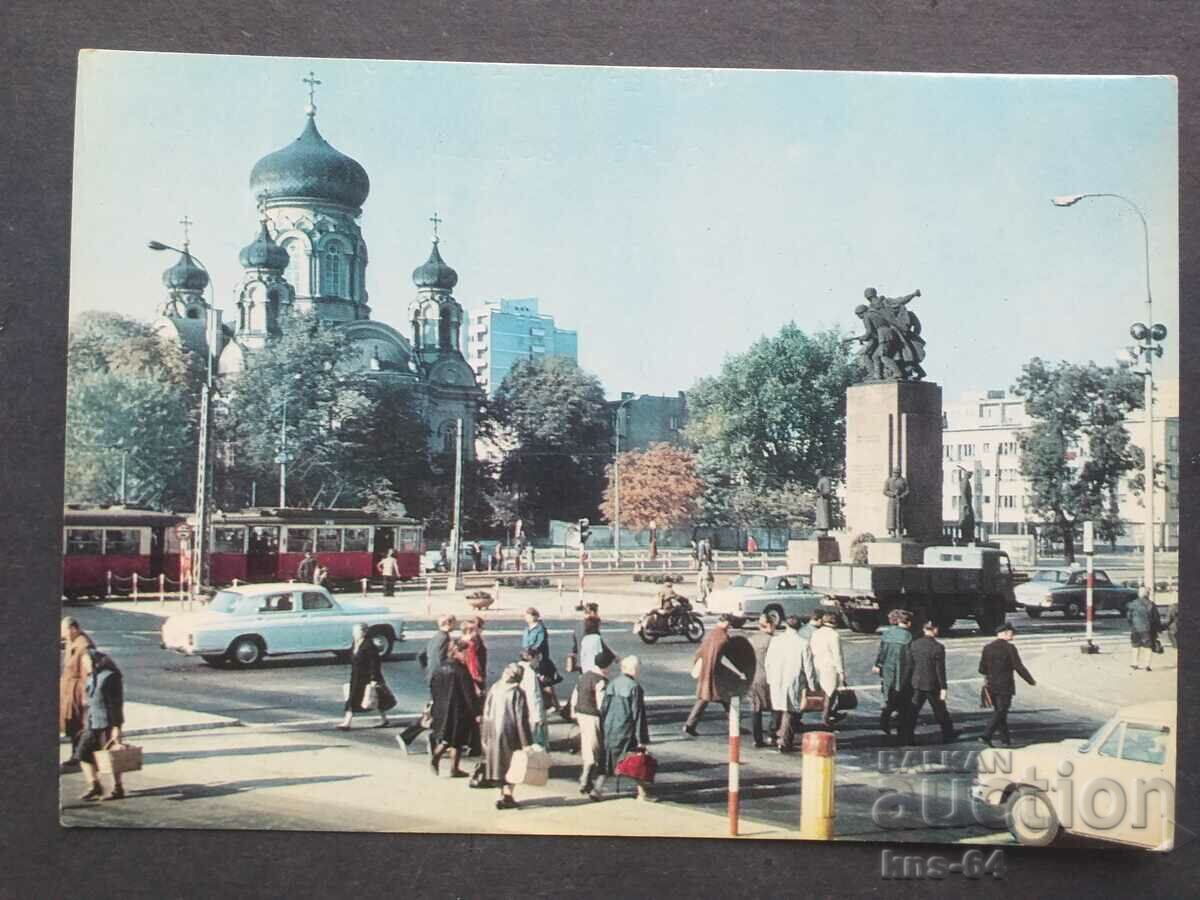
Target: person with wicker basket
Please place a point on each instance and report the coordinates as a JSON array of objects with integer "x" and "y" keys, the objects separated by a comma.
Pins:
[{"x": 102, "y": 724}]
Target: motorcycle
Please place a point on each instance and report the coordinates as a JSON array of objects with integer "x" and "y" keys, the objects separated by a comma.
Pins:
[{"x": 680, "y": 620}]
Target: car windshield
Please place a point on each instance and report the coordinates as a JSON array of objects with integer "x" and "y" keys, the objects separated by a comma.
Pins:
[
  {"x": 1045, "y": 575},
  {"x": 1095, "y": 737},
  {"x": 224, "y": 601},
  {"x": 750, "y": 581}
]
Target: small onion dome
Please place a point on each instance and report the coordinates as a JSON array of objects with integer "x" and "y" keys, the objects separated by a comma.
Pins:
[
  {"x": 434, "y": 273},
  {"x": 185, "y": 275},
  {"x": 263, "y": 253},
  {"x": 309, "y": 167}
]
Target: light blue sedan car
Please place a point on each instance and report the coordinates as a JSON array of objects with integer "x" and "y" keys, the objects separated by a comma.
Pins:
[{"x": 245, "y": 624}]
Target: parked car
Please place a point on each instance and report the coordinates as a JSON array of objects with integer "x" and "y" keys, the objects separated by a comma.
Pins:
[
  {"x": 242, "y": 625},
  {"x": 431, "y": 560},
  {"x": 775, "y": 594},
  {"x": 1118, "y": 785},
  {"x": 1065, "y": 591}
]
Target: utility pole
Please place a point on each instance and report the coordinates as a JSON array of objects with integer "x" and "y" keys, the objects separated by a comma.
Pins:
[
  {"x": 124, "y": 456},
  {"x": 455, "y": 580},
  {"x": 283, "y": 457}
]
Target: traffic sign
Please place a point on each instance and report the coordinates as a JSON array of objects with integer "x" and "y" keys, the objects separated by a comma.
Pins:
[{"x": 739, "y": 653}]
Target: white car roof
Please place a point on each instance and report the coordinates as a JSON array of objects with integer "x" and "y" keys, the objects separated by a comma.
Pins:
[{"x": 271, "y": 587}]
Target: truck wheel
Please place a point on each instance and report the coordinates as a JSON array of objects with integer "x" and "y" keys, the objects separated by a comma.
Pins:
[
  {"x": 774, "y": 614},
  {"x": 863, "y": 623}
]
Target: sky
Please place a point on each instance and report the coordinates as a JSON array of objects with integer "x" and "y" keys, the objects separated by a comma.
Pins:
[{"x": 670, "y": 216}]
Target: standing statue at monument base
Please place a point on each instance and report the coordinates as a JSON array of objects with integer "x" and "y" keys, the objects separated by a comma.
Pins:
[
  {"x": 824, "y": 504},
  {"x": 896, "y": 490},
  {"x": 966, "y": 508}
]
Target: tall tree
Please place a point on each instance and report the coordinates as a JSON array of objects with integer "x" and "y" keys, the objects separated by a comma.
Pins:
[
  {"x": 552, "y": 418},
  {"x": 132, "y": 399},
  {"x": 770, "y": 419},
  {"x": 1078, "y": 449},
  {"x": 344, "y": 429},
  {"x": 659, "y": 485}
]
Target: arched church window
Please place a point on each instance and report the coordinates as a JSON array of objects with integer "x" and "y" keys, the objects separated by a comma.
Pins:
[
  {"x": 294, "y": 266},
  {"x": 335, "y": 281}
]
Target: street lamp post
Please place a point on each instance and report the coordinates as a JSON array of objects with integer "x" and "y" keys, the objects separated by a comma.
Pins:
[
  {"x": 617, "y": 484},
  {"x": 200, "y": 571},
  {"x": 1149, "y": 336}
]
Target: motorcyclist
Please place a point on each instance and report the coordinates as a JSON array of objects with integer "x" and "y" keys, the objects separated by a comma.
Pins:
[{"x": 668, "y": 602}]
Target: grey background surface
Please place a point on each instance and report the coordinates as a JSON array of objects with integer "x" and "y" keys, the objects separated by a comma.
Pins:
[{"x": 41, "y": 41}]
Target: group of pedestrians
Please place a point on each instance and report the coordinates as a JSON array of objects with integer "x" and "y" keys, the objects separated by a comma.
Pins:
[{"x": 91, "y": 708}]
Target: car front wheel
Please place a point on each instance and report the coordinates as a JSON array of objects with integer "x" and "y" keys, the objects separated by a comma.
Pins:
[
  {"x": 1031, "y": 817},
  {"x": 1073, "y": 610},
  {"x": 383, "y": 642}
]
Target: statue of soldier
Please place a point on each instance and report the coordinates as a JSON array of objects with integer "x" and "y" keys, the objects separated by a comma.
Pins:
[
  {"x": 966, "y": 508},
  {"x": 824, "y": 503},
  {"x": 896, "y": 490},
  {"x": 880, "y": 345}
]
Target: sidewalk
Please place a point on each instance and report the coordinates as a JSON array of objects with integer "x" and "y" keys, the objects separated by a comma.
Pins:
[
  {"x": 1108, "y": 670},
  {"x": 287, "y": 779},
  {"x": 628, "y": 602},
  {"x": 148, "y": 718}
]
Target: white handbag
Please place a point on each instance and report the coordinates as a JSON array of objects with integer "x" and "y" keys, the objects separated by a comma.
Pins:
[
  {"x": 697, "y": 668},
  {"x": 529, "y": 766},
  {"x": 370, "y": 697}
]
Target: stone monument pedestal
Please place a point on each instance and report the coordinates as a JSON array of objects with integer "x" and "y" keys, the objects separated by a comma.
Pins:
[
  {"x": 892, "y": 552},
  {"x": 889, "y": 424},
  {"x": 803, "y": 554}
]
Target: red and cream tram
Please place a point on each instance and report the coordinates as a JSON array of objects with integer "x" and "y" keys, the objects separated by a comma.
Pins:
[
  {"x": 104, "y": 547},
  {"x": 268, "y": 544}
]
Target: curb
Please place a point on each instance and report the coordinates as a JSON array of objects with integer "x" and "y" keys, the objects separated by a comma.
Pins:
[{"x": 173, "y": 729}]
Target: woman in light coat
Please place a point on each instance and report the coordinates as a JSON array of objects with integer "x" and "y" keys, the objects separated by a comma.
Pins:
[
  {"x": 826, "y": 646},
  {"x": 505, "y": 727}
]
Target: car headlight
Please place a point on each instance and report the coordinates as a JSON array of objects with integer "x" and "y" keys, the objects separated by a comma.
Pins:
[{"x": 1048, "y": 600}]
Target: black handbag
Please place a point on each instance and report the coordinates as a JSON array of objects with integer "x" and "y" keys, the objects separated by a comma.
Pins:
[
  {"x": 844, "y": 699},
  {"x": 387, "y": 699}
]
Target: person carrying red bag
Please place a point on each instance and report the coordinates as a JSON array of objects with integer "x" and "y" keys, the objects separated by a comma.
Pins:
[{"x": 626, "y": 729}]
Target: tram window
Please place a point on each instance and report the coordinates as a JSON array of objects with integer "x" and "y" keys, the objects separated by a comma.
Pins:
[
  {"x": 410, "y": 539},
  {"x": 122, "y": 541},
  {"x": 228, "y": 540},
  {"x": 299, "y": 540},
  {"x": 264, "y": 540},
  {"x": 357, "y": 539},
  {"x": 83, "y": 542},
  {"x": 329, "y": 540}
]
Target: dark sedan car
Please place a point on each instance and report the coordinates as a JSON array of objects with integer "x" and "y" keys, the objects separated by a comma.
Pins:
[{"x": 1065, "y": 591}]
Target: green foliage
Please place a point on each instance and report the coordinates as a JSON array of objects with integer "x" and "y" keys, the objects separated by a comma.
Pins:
[
  {"x": 129, "y": 394},
  {"x": 763, "y": 427},
  {"x": 553, "y": 418},
  {"x": 352, "y": 436},
  {"x": 1079, "y": 413}
]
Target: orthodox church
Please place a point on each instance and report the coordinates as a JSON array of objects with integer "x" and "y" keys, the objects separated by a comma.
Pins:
[{"x": 309, "y": 255}]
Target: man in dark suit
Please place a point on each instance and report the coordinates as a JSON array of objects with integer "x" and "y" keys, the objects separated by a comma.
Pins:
[
  {"x": 927, "y": 663},
  {"x": 999, "y": 661}
]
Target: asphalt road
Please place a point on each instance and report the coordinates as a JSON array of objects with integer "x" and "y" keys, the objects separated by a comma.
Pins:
[{"x": 305, "y": 693}]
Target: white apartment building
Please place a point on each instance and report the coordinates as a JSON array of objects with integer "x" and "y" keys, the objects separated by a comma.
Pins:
[{"x": 980, "y": 433}]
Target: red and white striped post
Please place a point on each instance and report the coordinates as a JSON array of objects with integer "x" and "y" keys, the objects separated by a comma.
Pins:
[
  {"x": 162, "y": 588},
  {"x": 135, "y": 587},
  {"x": 108, "y": 583},
  {"x": 735, "y": 760},
  {"x": 364, "y": 586},
  {"x": 581, "y": 579}
]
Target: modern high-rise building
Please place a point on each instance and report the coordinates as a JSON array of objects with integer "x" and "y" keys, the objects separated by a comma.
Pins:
[
  {"x": 981, "y": 433},
  {"x": 501, "y": 332}
]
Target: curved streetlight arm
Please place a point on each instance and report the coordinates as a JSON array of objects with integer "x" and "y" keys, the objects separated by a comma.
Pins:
[{"x": 1072, "y": 199}]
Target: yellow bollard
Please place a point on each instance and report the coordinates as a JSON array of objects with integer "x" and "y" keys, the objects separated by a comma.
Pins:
[{"x": 818, "y": 773}]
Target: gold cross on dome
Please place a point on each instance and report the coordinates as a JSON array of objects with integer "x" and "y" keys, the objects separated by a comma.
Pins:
[
  {"x": 186, "y": 223},
  {"x": 312, "y": 83},
  {"x": 436, "y": 222}
]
